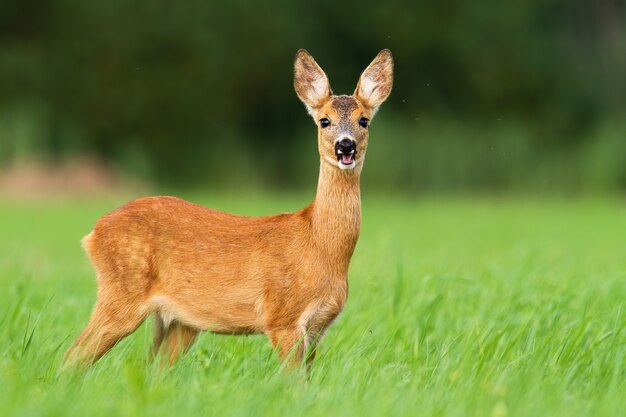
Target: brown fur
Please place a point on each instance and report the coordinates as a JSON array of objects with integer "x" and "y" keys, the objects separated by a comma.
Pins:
[{"x": 200, "y": 269}]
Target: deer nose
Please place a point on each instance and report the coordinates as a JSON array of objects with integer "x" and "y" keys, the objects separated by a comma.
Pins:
[{"x": 345, "y": 146}]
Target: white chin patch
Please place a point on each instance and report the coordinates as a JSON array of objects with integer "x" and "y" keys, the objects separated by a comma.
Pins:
[{"x": 351, "y": 165}]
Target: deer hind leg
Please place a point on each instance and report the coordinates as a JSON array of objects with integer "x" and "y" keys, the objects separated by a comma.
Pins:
[
  {"x": 159, "y": 334},
  {"x": 111, "y": 321},
  {"x": 172, "y": 341}
]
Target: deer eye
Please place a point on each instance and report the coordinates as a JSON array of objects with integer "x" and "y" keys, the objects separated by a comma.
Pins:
[
  {"x": 363, "y": 122},
  {"x": 324, "y": 123}
]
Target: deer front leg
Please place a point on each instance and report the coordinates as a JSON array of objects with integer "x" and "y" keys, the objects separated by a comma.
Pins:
[
  {"x": 290, "y": 345},
  {"x": 313, "y": 338}
]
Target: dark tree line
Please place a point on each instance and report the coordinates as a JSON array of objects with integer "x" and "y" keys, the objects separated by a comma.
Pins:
[{"x": 180, "y": 91}]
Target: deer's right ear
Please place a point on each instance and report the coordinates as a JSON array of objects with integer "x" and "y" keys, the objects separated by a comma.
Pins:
[{"x": 310, "y": 82}]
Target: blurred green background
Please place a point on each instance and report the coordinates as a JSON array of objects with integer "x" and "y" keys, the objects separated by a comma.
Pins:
[
  {"x": 489, "y": 96},
  {"x": 471, "y": 291}
]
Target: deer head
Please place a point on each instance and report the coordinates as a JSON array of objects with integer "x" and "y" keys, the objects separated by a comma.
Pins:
[{"x": 343, "y": 121}]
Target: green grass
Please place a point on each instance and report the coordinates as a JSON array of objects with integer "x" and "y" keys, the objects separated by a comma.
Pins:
[{"x": 486, "y": 307}]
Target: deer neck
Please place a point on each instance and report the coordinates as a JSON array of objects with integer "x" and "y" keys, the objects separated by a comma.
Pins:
[{"x": 336, "y": 213}]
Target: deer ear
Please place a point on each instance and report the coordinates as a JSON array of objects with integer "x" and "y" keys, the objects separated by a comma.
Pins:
[
  {"x": 310, "y": 82},
  {"x": 376, "y": 81}
]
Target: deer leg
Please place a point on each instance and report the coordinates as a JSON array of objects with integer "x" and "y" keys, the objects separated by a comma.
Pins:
[
  {"x": 110, "y": 323},
  {"x": 175, "y": 341},
  {"x": 159, "y": 334},
  {"x": 290, "y": 345},
  {"x": 313, "y": 339}
]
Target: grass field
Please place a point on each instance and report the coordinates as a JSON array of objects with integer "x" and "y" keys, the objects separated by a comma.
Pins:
[{"x": 485, "y": 307}]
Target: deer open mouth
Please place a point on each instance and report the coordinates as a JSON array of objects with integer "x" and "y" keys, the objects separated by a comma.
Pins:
[{"x": 346, "y": 159}]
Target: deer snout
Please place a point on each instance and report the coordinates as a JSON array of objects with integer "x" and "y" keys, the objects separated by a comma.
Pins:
[
  {"x": 345, "y": 150},
  {"x": 345, "y": 146}
]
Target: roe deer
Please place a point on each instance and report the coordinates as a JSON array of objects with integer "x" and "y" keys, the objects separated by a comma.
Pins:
[{"x": 199, "y": 269}]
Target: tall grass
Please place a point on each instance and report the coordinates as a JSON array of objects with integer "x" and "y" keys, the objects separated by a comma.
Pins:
[{"x": 487, "y": 307}]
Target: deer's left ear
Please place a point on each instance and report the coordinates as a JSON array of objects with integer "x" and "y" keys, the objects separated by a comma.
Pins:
[{"x": 376, "y": 81}]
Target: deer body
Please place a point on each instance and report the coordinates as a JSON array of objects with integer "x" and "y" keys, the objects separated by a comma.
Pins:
[{"x": 198, "y": 269}]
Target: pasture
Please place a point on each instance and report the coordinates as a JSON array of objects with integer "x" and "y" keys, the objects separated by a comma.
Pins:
[{"x": 458, "y": 307}]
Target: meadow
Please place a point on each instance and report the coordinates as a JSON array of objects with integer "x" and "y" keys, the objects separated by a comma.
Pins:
[{"x": 458, "y": 307}]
